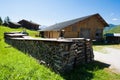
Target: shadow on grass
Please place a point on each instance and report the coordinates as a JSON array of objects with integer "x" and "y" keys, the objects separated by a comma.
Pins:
[{"x": 85, "y": 71}]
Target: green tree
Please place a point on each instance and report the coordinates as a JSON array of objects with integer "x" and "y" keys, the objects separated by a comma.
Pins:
[
  {"x": 1, "y": 21},
  {"x": 6, "y": 21}
]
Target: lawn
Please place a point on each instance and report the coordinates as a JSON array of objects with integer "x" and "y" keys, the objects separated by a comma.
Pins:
[{"x": 15, "y": 65}]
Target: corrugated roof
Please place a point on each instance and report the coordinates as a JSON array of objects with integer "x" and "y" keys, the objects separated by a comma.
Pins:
[{"x": 59, "y": 26}]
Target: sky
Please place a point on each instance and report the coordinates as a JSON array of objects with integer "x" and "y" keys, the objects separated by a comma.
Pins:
[{"x": 49, "y": 12}]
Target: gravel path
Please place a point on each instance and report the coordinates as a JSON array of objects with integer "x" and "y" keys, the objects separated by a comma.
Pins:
[{"x": 112, "y": 58}]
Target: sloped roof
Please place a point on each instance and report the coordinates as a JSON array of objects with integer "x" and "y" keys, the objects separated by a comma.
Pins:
[
  {"x": 59, "y": 26},
  {"x": 30, "y": 22},
  {"x": 15, "y": 23}
]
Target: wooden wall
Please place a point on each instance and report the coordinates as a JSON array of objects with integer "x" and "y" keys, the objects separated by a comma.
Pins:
[
  {"x": 51, "y": 34},
  {"x": 74, "y": 31},
  {"x": 92, "y": 23}
]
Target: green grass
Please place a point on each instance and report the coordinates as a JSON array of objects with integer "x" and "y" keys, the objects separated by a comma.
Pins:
[
  {"x": 15, "y": 65},
  {"x": 114, "y": 30},
  {"x": 7, "y": 29},
  {"x": 92, "y": 71}
]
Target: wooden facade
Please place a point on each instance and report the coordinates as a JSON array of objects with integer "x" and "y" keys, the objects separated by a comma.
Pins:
[
  {"x": 14, "y": 25},
  {"x": 51, "y": 34},
  {"x": 87, "y": 27},
  {"x": 29, "y": 24}
]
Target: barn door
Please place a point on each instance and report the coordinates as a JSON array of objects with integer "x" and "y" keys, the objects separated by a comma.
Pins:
[
  {"x": 85, "y": 33},
  {"x": 98, "y": 35}
]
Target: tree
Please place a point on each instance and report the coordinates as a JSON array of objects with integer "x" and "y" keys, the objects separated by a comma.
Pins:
[
  {"x": 6, "y": 21},
  {"x": 1, "y": 21}
]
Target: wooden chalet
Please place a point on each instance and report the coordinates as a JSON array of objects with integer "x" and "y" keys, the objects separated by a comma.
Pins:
[
  {"x": 14, "y": 25},
  {"x": 85, "y": 27},
  {"x": 29, "y": 24}
]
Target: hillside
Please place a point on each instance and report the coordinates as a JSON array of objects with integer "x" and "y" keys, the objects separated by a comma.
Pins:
[
  {"x": 16, "y": 65},
  {"x": 109, "y": 27},
  {"x": 112, "y": 29}
]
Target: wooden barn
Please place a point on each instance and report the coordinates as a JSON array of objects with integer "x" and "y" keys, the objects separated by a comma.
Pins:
[
  {"x": 14, "y": 25},
  {"x": 85, "y": 27},
  {"x": 29, "y": 24}
]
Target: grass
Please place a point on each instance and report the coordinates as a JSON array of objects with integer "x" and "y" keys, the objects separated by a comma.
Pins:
[
  {"x": 114, "y": 30},
  {"x": 15, "y": 65},
  {"x": 92, "y": 71},
  {"x": 7, "y": 29},
  {"x": 101, "y": 47}
]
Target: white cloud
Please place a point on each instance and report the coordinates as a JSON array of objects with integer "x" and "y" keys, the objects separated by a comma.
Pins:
[
  {"x": 112, "y": 14},
  {"x": 114, "y": 19}
]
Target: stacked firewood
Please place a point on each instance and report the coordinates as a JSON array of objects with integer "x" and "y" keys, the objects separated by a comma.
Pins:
[
  {"x": 59, "y": 56},
  {"x": 89, "y": 51}
]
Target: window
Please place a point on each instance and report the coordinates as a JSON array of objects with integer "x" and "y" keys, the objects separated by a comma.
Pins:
[{"x": 98, "y": 33}]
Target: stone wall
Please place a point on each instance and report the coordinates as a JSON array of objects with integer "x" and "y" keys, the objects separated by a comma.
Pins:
[{"x": 61, "y": 55}]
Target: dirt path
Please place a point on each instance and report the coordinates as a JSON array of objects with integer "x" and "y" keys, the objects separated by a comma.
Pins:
[{"x": 112, "y": 58}]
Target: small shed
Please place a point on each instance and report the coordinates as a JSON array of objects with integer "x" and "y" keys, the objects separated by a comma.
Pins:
[
  {"x": 113, "y": 37},
  {"x": 29, "y": 24},
  {"x": 89, "y": 27}
]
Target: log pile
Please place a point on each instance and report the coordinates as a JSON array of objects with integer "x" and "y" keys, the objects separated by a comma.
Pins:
[
  {"x": 89, "y": 51},
  {"x": 59, "y": 56}
]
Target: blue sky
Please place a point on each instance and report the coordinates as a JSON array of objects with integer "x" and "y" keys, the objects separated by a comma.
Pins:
[{"x": 48, "y": 12}]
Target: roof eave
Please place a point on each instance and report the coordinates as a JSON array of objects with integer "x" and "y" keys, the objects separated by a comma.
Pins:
[{"x": 102, "y": 20}]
